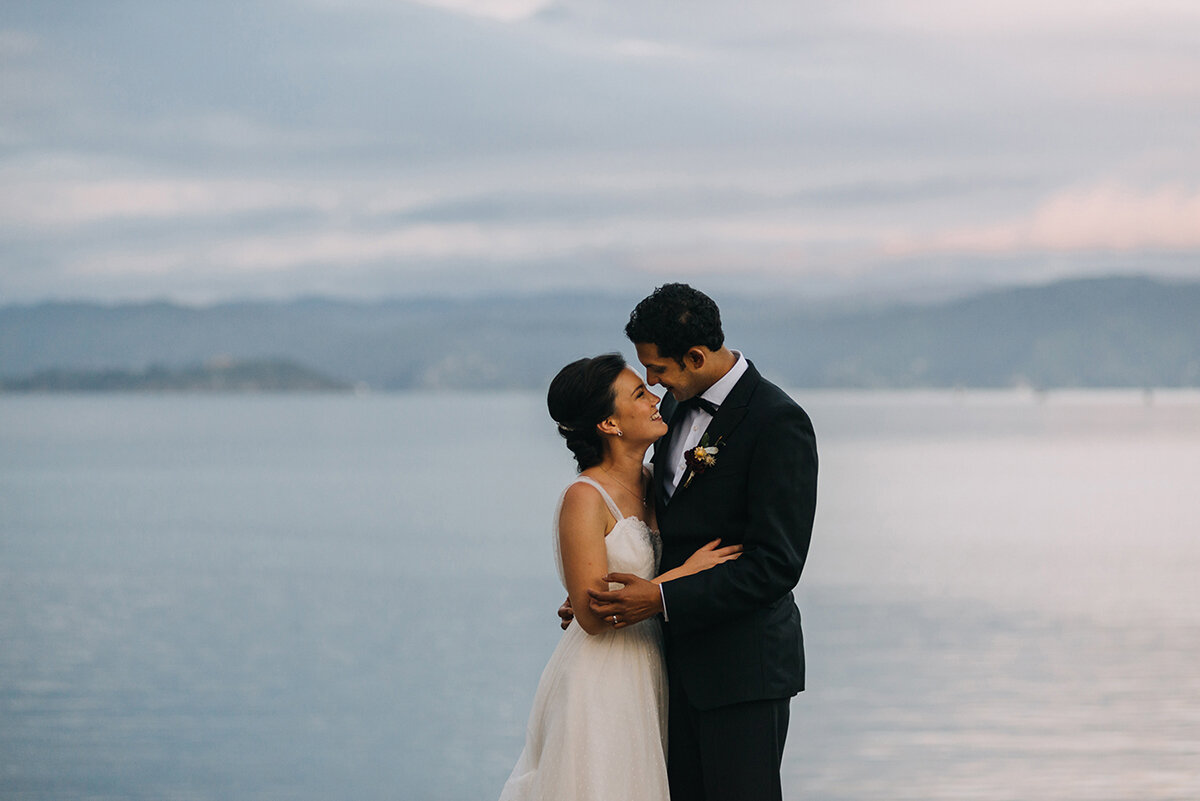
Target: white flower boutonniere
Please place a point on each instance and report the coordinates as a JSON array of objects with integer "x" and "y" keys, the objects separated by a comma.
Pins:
[{"x": 700, "y": 458}]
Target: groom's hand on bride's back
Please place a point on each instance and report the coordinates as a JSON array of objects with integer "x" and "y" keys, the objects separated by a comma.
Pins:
[{"x": 566, "y": 614}]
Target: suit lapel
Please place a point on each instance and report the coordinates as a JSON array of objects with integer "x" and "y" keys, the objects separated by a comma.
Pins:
[{"x": 726, "y": 420}]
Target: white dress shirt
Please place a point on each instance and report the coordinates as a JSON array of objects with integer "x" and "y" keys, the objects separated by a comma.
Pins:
[{"x": 690, "y": 430}]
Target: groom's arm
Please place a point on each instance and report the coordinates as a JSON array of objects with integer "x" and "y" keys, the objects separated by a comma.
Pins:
[{"x": 782, "y": 495}]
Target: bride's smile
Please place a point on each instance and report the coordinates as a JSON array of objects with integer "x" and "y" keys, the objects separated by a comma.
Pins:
[{"x": 635, "y": 409}]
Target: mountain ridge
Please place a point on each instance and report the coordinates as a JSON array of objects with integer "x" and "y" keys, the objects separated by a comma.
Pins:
[{"x": 1121, "y": 331}]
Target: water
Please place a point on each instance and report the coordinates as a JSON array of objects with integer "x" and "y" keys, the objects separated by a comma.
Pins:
[{"x": 337, "y": 597}]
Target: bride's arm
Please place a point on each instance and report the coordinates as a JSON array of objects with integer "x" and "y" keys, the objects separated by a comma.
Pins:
[
  {"x": 705, "y": 557},
  {"x": 582, "y": 524},
  {"x": 649, "y": 600}
]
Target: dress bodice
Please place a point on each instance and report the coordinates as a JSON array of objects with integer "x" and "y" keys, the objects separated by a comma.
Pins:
[{"x": 631, "y": 545}]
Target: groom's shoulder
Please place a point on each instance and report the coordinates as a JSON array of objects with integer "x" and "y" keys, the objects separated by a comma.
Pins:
[
  {"x": 770, "y": 394},
  {"x": 777, "y": 406}
]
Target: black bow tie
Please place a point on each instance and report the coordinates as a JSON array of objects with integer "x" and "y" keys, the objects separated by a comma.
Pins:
[{"x": 697, "y": 402}]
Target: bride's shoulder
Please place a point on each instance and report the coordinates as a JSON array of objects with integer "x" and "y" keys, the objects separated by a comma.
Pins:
[
  {"x": 582, "y": 495},
  {"x": 582, "y": 509}
]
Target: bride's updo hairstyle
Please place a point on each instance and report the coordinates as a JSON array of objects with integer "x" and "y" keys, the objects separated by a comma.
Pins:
[{"x": 580, "y": 396}]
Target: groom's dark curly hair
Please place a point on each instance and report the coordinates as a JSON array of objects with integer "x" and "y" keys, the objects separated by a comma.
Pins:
[{"x": 674, "y": 318}]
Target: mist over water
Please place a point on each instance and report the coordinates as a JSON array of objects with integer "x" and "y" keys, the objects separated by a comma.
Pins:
[{"x": 326, "y": 597}]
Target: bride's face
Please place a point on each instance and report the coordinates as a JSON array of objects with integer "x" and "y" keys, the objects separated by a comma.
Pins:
[{"x": 635, "y": 408}]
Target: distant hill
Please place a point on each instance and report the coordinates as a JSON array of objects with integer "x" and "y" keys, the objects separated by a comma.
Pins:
[
  {"x": 215, "y": 376},
  {"x": 1119, "y": 332}
]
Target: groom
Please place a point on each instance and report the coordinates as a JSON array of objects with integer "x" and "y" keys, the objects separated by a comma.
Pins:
[{"x": 734, "y": 650}]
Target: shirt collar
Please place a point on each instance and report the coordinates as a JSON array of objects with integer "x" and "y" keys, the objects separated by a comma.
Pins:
[{"x": 720, "y": 390}]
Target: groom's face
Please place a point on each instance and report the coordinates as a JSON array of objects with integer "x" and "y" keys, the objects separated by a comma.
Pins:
[{"x": 679, "y": 379}]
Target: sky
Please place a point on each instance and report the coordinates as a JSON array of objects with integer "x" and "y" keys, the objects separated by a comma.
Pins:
[{"x": 209, "y": 151}]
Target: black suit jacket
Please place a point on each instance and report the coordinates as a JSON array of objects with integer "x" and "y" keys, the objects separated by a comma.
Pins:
[{"x": 734, "y": 631}]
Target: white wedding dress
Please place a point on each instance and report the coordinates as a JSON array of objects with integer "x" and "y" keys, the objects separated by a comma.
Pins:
[{"x": 598, "y": 727}]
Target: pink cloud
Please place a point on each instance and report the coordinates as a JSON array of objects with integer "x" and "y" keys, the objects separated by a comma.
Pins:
[{"x": 1105, "y": 217}]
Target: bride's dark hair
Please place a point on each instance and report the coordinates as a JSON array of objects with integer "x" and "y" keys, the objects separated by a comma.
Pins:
[{"x": 580, "y": 396}]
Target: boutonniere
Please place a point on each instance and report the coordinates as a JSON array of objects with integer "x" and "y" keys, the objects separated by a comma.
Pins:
[{"x": 701, "y": 457}]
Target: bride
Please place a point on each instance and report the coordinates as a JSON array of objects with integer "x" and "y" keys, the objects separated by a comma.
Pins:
[{"x": 598, "y": 727}]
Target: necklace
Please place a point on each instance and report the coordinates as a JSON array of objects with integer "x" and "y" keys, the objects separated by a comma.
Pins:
[{"x": 620, "y": 484}]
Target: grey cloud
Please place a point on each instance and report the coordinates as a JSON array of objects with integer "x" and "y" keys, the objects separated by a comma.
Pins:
[{"x": 588, "y": 115}]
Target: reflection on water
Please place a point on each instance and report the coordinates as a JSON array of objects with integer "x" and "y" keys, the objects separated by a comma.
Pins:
[
  {"x": 318, "y": 598},
  {"x": 957, "y": 700}
]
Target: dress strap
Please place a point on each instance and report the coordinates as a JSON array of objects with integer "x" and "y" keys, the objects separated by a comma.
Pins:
[{"x": 608, "y": 501}]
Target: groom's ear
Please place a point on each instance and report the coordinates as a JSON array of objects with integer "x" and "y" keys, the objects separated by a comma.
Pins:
[{"x": 695, "y": 358}]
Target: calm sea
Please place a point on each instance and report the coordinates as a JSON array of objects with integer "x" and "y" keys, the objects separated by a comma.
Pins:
[{"x": 352, "y": 597}]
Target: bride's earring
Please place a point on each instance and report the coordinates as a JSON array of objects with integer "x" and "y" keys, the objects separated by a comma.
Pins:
[{"x": 620, "y": 433}]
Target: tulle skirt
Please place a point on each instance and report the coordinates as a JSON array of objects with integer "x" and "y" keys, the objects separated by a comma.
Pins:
[{"x": 598, "y": 727}]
